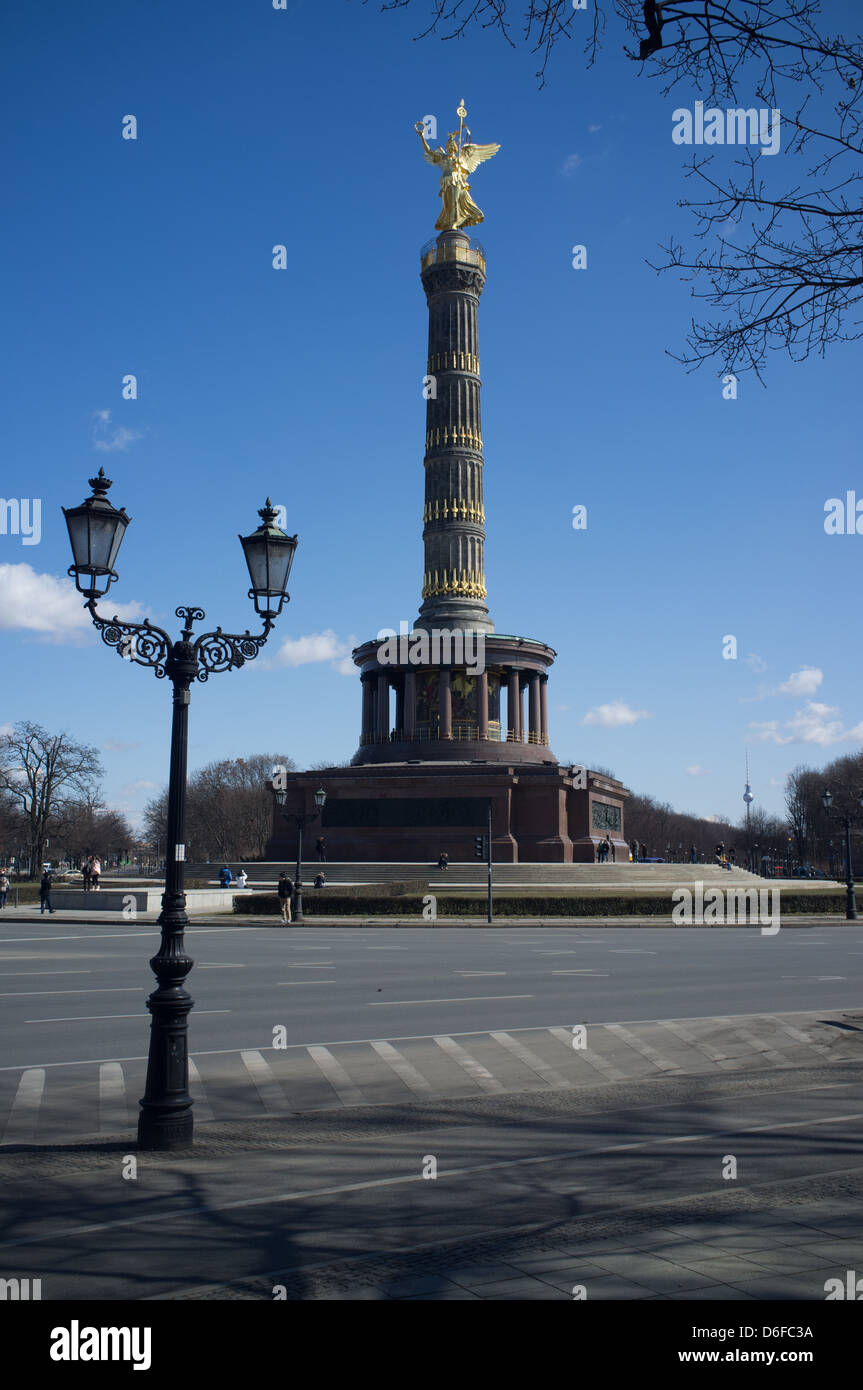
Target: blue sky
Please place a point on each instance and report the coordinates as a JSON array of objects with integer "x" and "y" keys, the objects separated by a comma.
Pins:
[{"x": 154, "y": 257}]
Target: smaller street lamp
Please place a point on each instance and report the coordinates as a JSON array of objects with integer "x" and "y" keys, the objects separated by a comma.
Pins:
[
  {"x": 850, "y": 904},
  {"x": 301, "y": 820}
]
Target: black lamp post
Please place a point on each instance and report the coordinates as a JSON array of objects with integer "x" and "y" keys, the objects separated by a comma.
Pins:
[
  {"x": 850, "y": 904},
  {"x": 757, "y": 858},
  {"x": 96, "y": 529},
  {"x": 300, "y": 820}
]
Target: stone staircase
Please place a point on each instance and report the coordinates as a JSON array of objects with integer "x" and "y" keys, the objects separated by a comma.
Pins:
[{"x": 474, "y": 874}]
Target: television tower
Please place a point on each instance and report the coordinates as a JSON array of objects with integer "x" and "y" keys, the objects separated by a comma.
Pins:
[{"x": 748, "y": 798}]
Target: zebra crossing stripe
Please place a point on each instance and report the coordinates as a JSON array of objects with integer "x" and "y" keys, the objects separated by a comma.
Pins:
[
  {"x": 404, "y": 1070},
  {"x": 270, "y": 1093},
  {"x": 530, "y": 1059},
  {"x": 776, "y": 1058},
  {"x": 202, "y": 1107},
  {"x": 644, "y": 1048},
  {"x": 590, "y": 1056},
  {"x": 796, "y": 1034},
  {"x": 113, "y": 1113},
  {"x": 347, "y": 1092},
  {"x": 22, "y": 1119},
  {"x": 711, "y": 1053},
  {"x": 475, "y": 1070}
]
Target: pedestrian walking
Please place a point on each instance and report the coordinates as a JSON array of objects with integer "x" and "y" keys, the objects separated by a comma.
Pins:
[
  {"x": 633, "y": 847},
  {"x": 285, "y": 891},
  {"x": 613, "y": 854},
  {"x": 321, "y": 850},
  {"x": 95, "y": 872},
  {"x": 4, "y": 888},
  {"x": 242, "y": 878},
  {"x": 225, "y": 876},
  {"x": 45, "y": 892},
  {"x": 320, "y": 881},
  {"x": 693, "y": 854},
  {"x": 443, "y": 860},
  {"x": 87, "y": 871}
]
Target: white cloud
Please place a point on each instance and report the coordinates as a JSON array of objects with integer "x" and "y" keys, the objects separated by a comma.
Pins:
[
  {"x": 49, "y": 606},
  {"x": 814, "y": 723},
  {"x": 116, "y": 745},
  {"x": 697, "y": 771},
  {"x": 570, "y": 164},
  {"x": 142, "y": 785},
  {"x": 316, "y": 646},
  {"x": 803, "y": 682},
  {"x": 594, "y": 128},
  {"x": 108, "y": 439},
  {"x": 613, "y": 715}
]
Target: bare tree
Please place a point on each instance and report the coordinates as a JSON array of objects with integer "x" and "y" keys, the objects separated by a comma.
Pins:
[
  {"x": 43, "y": 771},
  {"x": 783, "y": 267}
]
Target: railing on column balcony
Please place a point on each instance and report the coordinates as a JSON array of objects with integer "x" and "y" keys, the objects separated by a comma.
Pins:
[{"x": 461, "y": 733}]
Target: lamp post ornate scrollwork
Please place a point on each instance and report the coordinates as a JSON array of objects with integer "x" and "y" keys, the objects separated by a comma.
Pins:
[{"x": 96, "y": 529}]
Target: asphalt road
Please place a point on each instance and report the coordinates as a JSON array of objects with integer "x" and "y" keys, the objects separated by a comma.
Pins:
[{"x": 77, "y": 993}]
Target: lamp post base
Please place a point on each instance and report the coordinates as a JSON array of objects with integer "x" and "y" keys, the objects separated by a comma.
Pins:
[{"x": 174, "y": 1131}]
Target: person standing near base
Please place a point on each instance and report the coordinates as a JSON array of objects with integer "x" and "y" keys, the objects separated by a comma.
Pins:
[
  {"x": 285, "y": 891},
  {"x": 45, "y": 892},
  {"x": 4, "y": 888}
]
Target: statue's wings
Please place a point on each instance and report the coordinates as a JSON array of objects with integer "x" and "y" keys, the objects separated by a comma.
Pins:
[
  {"x": 474, "y": 155},
  {"x": 433, "y": 156}
]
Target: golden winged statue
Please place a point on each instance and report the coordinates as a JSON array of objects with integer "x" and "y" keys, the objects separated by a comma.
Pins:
[{"x": 456, "y": 160}]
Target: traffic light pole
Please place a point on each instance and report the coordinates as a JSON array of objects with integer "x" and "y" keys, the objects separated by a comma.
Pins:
[{"x": 488, "y": 851}]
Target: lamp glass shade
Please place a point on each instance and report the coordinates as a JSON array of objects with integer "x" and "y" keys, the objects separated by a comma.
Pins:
[
  {"x": 96, "y": 530},
  {"x": 269, "y": 555},
  {"x": 320, "y": 798},
  {"x": 827, "y": 801}
]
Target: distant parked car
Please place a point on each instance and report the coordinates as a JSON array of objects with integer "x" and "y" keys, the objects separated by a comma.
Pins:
[{"x": 653, "y": 861}]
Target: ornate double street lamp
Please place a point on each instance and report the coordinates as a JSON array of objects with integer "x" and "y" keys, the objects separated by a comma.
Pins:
[
  {"x": 96, "y": 530},
  {"x": 301, "y": 821},
  {"x": 850, "y": 904}
]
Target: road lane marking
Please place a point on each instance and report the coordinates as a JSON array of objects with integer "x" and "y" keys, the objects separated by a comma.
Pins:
[
  {"x": 203, "y": 1109},
  {"x": 404, "y": 1070},
  {"x": 475, "y": 1070},
  {"x": 93, "y": 1018},
  {"x": 460, "y": 999},
  {"x": 28, "y": 974},
  {"x": 644, "y": 1048},
  {"x": 777, "y": 1058},
  {"x": 798, "y": 1036},
  {"x": 111, "y": 989},
  {"x": 590, "y": 1056},
  {"x": 579, "y": 1155},
  {"x": 711, "y": 1053},
  {"x": 530, "y": 1059},
  {"x": 23, "y": 1117},
  {"x": 113, "y": 1113},
  {"x": 564, "y": 1034},
  {"x": 347, "y": 1092},
  {"x": 270, "y": 1093}
]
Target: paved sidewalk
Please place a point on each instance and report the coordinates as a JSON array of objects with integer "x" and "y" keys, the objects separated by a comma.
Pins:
[{"x": 614, "y": 1194}]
